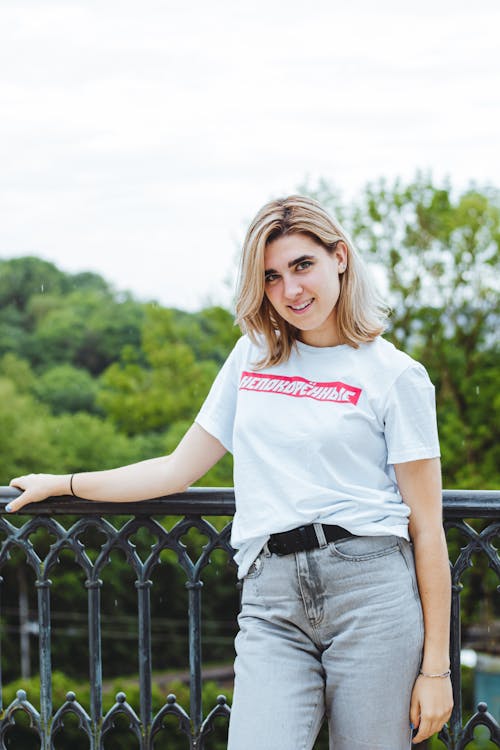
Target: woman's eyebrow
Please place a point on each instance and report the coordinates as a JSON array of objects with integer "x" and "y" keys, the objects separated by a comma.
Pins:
[{"x": 291, "y": 263}]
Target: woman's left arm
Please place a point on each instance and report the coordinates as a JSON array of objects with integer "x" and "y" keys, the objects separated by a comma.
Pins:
[{"x": 420, "y": 486}]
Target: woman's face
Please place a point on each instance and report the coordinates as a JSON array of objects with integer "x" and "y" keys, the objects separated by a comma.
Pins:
[{"x": 302, "y": 285}]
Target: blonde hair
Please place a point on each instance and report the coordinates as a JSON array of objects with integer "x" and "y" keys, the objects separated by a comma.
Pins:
[{"x": 361, "y": 316}]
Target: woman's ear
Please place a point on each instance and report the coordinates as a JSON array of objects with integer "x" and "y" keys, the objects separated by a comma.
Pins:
[{"x": 341, "y": 253}]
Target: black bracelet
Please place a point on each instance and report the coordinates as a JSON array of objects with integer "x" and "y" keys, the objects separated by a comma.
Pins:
[{"x": 71, "y": 485}]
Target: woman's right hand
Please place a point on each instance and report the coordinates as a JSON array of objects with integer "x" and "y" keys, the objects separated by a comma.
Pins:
[{"x": 38, "y": 487}]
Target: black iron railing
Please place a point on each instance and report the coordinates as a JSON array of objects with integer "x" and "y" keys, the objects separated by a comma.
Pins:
[{"x": 471, "y": 517}]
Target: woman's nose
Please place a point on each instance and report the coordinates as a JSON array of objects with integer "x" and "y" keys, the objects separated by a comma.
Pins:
[{"x": 292, "y": 287}]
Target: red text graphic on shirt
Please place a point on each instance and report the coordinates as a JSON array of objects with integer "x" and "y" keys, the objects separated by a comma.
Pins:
[{"x": 300, "y": 387}]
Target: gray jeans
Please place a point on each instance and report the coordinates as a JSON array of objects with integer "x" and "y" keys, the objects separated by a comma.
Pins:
[{"x": 334, "y": 632}]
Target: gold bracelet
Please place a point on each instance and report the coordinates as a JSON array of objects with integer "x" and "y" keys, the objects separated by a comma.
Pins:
[{"x": 441, "y": 674}]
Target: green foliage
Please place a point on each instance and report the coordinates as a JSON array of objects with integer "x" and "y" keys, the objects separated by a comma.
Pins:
[
  {"x": 50, "y": 317},
  {"x": 171, "y": 379},
  {"x": 32, "y": 439},
  {"x": 65, "y": 388},
  {"x": 213, "y": 334},
  {"x": 22, "y": 278},
  {"x": 23, "y": 437},
  {"x": 87, "y": 328},
  {"x": 18, "y": 371},
  {"x": 84, "y": 440},
  {"x": 61, "y": 332}
]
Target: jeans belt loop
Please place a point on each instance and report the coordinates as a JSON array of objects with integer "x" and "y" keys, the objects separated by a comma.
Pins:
[{"x": 320, "y": 534}]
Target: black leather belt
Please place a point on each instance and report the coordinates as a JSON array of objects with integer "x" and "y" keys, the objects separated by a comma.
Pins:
[{"x": 304, "y": 538}]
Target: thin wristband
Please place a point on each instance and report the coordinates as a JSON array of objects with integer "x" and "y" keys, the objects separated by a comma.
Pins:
[
  {"x": 71, "y": 485},
  {"x": 439, "y": 674}
]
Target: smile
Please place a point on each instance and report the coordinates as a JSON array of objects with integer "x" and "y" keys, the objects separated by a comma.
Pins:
[{"x": 301, "y": 308}]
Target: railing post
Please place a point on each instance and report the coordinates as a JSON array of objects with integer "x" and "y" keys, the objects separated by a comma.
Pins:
[
  {"x": 194, "y": 589},
  {"x": 95, "y": 659},
  {"x": 144, "y": 653},
  {"x": 45, "y": 661},
  {"x": 455, "y": 723}
]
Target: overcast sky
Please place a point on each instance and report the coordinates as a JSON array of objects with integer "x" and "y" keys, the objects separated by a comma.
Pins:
[{"x": 138, "y": 138}]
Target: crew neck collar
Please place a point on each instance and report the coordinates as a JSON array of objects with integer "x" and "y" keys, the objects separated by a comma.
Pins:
[{"x": 318, "y": 350}]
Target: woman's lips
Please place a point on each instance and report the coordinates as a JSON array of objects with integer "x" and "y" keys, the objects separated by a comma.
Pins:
[{"x": 302, "y": 308}]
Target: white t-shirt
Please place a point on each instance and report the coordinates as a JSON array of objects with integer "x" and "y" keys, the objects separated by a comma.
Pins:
[{"x": 314, "y": 438}]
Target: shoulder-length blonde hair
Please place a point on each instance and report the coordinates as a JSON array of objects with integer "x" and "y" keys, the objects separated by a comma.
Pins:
[{"x": 361, "y": 316}]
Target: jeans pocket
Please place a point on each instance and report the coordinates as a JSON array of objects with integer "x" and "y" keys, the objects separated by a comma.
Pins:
[
  {"x": 255, "y": 568},
  {"x": 362, "y": 548}
]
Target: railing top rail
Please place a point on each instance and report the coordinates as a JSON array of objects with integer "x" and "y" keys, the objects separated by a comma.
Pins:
[{"x": 219, "y": 501}]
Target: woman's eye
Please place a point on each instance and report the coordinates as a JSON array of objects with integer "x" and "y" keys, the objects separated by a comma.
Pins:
[
  {"x": 271, "y": 277},
  {"x": 303, "y": 265}
]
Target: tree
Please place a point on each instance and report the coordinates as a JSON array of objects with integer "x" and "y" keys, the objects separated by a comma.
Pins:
[
  {"x": 87, "y": 328},
  {"x": 165, "y": 383},
  {"x": 66, "y": 389},
  {"x": 21, "y": 278}
]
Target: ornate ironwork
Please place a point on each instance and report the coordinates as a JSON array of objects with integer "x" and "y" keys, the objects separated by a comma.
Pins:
[{"x": 194, "y": 506}]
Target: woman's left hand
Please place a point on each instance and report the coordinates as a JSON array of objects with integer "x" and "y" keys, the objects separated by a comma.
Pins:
[{"x": 431, "y": 705}]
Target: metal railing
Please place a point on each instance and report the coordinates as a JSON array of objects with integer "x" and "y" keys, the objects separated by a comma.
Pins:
[{"x": 464, "y": 511}]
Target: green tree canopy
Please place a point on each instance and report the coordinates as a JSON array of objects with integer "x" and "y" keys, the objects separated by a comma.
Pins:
[
  {"x": 169, "y": 378},
  {"x": 65, "y": 388}
]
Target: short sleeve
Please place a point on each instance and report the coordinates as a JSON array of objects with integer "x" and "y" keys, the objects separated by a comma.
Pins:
[
  {"x": 410, "y": 417},
  {"x": 216, "y": 416}
]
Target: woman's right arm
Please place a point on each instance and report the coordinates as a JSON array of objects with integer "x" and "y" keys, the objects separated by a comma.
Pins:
[{"x": 196, "y": 453}]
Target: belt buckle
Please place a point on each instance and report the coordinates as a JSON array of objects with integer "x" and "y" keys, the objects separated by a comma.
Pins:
[{"x": 276, "y": 545}]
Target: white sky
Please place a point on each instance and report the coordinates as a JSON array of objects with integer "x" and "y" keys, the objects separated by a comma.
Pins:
[{"x": 137, "y": 139}]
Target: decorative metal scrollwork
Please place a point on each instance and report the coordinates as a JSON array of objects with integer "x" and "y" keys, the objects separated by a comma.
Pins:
[{"x": 119, "y": 534}]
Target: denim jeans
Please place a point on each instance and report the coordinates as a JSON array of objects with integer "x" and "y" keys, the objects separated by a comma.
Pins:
[{"x": 336, "y": 632}]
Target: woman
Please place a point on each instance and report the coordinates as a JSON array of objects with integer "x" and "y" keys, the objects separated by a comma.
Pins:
[{"x": 336, "y": 462}]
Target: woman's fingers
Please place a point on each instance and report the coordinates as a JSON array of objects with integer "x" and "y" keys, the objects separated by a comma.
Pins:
[
  {"x": 430, "y": 707},
  {"x": 428, "y": 727},
  {"x": 16, "y": 504},
  {"x": 34, "y": 487},
  {"x": 19, "y": 482},
  {"x": 25, "y": 498}
]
